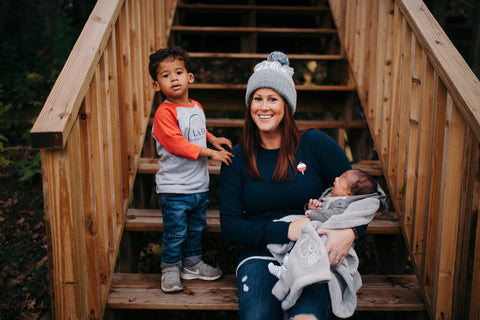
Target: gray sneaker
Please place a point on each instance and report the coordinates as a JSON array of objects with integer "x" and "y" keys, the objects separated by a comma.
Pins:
[
  {"x": 171, "y": 279},
  {"x": 201, "y": 271}
]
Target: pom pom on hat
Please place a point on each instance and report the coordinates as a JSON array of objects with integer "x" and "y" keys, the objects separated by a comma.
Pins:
[{"x": 274, "y": 73}]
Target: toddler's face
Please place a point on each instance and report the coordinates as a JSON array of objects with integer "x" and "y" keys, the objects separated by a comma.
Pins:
[{"x": 173, "y": 79}]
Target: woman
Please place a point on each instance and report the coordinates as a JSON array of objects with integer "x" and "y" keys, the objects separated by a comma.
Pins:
[{"x": 275, "y": 171}]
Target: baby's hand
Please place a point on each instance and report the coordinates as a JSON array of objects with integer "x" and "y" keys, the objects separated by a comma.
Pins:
[
  {"x": 222, "y": 155},
  {"x": 307, "y": 213},
  {"x": 314, "y": 204},
  {"x": 218, "y": 142}
]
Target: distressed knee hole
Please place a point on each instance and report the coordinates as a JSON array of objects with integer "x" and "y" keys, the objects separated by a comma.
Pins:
[{"x": 245, "y": 287}]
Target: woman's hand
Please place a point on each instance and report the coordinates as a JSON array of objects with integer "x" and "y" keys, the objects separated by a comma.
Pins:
[
  {"x": 295, "y": 228},
  {"x": 338, "y": 243}
]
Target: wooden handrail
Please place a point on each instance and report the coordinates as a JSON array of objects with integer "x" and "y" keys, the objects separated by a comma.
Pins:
[
  {"x": 422, "y": 103},
  {"x": 91, "y": 132}
]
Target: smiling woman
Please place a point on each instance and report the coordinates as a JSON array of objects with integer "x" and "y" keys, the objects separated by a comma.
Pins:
[{"x": 275, "y": 170}]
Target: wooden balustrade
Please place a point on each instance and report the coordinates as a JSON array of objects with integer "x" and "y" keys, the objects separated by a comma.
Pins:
[
  {"x": 422, "y": 104},
  {"x": 91, "y": 132}
]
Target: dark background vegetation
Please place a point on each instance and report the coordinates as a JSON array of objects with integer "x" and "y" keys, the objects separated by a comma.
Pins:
[{"x": 36, "y": 37}]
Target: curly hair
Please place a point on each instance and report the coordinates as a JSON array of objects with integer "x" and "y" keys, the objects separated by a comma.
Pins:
[{"x": 162, "y": 54}]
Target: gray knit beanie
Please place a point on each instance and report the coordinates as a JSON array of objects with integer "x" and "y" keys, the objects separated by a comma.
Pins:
[{"x": 274, "y": 73}]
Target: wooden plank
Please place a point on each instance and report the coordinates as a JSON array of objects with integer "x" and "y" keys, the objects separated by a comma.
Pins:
[
  {"x": 113, "y": 107},
  {"x": 242, "y": 30},
  {"x": 467, "y": 220},
  {"x": 451, "y": 190},
  {"x": 392, "y": 157},
  {"x": 97, "y": 258},
  {"x": 152, "y": 220},
  {"x": 206, "y": 86},
  {"x": 247, "y": 8},
  {"x": 151, "y": 166},
  {"x": 93, "y": 109},
  {"x": 142, "y": 291},
  {"x": 427, "y": 269},
  {"x": 405, "y": 175},
  {"x": 105, "y": 121},
  {"x": 349, "y": 35},
  {"x": 124, "y": 93},
  {"x": 301, "y": 124},
  {"x": 136, "y": 77},
  {"x": 262, "y": 56},
  {"x": 361, "y": 52},
  {"x": 383, "y": 13},
  {"x": 53, "y": 125},
  {"x": 371, "y": 88},
  {"x": 90, "y": 218},
  {"x": 384, "y": 111},
  {"x": 423, "y": 153}
]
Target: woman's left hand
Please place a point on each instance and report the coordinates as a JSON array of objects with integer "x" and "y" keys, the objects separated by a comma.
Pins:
[{"x": 338, "y": 244}]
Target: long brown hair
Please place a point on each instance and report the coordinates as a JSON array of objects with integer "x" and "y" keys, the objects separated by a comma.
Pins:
[{"x": 250, "y": 141}]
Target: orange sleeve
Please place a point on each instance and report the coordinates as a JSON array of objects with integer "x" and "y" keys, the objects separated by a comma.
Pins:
[
  {"x": 167, "y": 132},
  {"x": 209, "y": 135}
]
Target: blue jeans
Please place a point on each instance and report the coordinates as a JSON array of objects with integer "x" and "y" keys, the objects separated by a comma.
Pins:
[
  {"x": 257, "y": 302},
  {"x": 184, "y": 218}
]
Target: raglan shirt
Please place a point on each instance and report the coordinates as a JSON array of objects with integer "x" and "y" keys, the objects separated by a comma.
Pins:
[
  {"x": 180, "y": 133},
  {"x": 249, "y": 208}
]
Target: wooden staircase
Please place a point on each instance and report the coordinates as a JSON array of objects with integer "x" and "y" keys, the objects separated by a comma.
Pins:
[
  {"x": 419, "y": 97},
  {"x": 225, "y": 40}
]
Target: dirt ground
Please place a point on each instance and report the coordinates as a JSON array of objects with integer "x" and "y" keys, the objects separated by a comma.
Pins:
[{"x": 24, "y": 292}]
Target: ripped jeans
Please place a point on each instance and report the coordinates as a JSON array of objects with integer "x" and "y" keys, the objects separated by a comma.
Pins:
[{"x": 256, "y": 301}]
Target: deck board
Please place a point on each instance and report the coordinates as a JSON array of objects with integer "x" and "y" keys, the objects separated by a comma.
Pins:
[
  {"x": 151, "y": 220},
  {"x": 151, "y": 166},
  {"x": 142, "y": 291}
]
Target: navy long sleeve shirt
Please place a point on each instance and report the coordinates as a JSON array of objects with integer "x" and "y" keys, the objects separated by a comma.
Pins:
[{"x": 249, "y": 208}]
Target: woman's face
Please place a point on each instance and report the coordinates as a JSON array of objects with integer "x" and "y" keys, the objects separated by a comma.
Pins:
[{"x": 267, "y": 110}]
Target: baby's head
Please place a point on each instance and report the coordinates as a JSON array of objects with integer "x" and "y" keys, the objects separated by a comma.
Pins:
[{"x": 354, "y": 182}]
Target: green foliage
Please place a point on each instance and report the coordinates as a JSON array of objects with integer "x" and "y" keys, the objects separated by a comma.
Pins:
[
  {"x": 36, "y": 37},
  {"x": 28, "y": 169}
]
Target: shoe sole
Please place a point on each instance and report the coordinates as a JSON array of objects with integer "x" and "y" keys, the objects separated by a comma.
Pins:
[
  {"x": 190, "y": 276},
  {"x": 174, "y": 289}
]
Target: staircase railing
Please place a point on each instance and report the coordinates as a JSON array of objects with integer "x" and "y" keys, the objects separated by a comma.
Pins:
[
  {"x": 91, "y": 132},
  {"x": 422, "y": 103}
]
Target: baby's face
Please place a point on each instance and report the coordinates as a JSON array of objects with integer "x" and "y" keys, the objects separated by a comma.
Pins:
[{"x": 342, "y": 184}]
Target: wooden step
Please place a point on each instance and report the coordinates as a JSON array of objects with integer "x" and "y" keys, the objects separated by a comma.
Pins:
[
  {"x": 142, "y": 291},
  {"x": 141, "y": 220},
  {"x": 151, "y": 166},
  {"x": 226, "y": 86},
  {"x": 301, "y": 124},
  {"x": 262, "y": 56},
  {"x": 245, "y": 30},
  {"x": 210, "y": 8}
]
